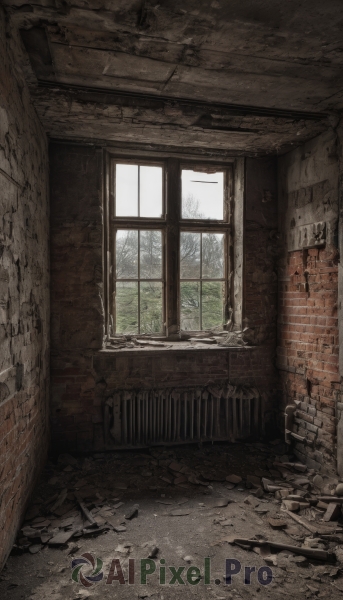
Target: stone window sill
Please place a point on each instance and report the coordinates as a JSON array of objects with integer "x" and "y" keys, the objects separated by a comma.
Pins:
[{"x": 174, "y": 347}]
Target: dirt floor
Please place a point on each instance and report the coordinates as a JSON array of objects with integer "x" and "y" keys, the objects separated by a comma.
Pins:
[{"x": 183, "y": 507}]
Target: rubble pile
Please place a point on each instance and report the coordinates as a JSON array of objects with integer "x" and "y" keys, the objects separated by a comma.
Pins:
[{"x": 254, "y": 497}]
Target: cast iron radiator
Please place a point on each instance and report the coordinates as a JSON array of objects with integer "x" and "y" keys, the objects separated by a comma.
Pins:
[{"x": 173, "y": 416}]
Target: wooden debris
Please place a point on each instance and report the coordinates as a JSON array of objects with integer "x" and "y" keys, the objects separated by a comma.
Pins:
[
  {"x": 308, "y": 552},
  {"x": 85, "y": 510},
  {"x": 302, "y": 521},
  {"x": 333, "y": 512},
  {"x": 303, "y": 505},
  {"x": 337, "y": 499},
  {"x": 315, "y": 529}
]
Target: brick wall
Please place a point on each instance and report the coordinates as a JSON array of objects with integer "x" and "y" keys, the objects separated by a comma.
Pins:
[
  {"x": 83, "y": 376},
  {"x": 24, "y": 295},
  {"x": 308, "y": 296},
  {"x": 309, "y": 349}
]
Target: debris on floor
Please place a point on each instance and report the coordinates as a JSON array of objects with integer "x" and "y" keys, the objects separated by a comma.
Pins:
[{"x": 270, "y": 505}]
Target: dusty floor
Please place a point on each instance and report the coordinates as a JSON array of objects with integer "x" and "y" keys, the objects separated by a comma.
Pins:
[{"x": 190, "y": 482}]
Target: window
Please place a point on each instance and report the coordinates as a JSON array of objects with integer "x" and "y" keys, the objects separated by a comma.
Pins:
[{"x": 168, "y": 246}]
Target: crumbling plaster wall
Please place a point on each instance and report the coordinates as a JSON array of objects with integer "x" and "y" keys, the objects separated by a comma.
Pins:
[
  {"x": 260, "y": 272},
  {"x": 83, "y": 376},
  {"x": 24, "y": 295},
  {"x": 308, "y": 346}
]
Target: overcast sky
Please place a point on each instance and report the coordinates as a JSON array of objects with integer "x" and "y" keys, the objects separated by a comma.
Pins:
[{"x": 207, "y": 189}]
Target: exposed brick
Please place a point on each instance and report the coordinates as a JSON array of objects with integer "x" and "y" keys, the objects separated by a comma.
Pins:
[
  {"x": 24, "y": 295},
  {"x": 308, "y": 326}
]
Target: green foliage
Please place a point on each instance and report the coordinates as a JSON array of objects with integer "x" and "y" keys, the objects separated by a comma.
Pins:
[{"x": 139, "y": 304}]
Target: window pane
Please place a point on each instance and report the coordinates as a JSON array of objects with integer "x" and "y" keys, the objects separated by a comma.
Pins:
[
  {"x": 212, "y": 304},
  {"x": 127, "y": 254},
  {"x": 151, "y": 307},
  {"x": 127, "y": 307},
  {"x": 189, "y": 255},
  {"x": 150, "y": 255},
  {"x": 202, "y": 195},
  {"x": 151, "y": 192},
  {"x": 190, "y": 305},
  {"x": 212, "y": 255},
  {"x": 126, "y": 190}
]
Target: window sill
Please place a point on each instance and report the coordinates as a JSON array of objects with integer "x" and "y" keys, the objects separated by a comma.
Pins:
[{"x": 181, "y": 346}]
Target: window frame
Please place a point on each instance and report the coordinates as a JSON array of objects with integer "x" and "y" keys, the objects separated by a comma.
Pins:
[
  {"x": 224, "y": 279},
  {"x": 210, "y": 226},
  {"x": 170, "y": 224},
  {"x": 162, "y": 280}
]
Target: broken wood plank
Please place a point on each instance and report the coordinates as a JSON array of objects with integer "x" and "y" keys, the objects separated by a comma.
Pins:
[
  {"x": 85, "y": 510},
  {"x": 316, "y": 529},
  {"x": 308, "y": 552},
  {"x": 337, "y": 499}
]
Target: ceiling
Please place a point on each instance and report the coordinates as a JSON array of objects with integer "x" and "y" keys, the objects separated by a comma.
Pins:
[{"x": 243, "y": 76}]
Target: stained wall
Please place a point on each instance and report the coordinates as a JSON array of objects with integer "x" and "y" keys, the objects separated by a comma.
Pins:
[{"x": 24, "y": 295}]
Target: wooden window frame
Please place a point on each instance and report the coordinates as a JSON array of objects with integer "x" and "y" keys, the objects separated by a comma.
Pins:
[{"x": 171, "y": 224}]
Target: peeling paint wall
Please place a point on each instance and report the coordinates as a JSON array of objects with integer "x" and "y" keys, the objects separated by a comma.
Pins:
[
  {"x": 308, "y": 296},
  {"x": 82, "y": 376},
  {"x": 24, "y": 295}
]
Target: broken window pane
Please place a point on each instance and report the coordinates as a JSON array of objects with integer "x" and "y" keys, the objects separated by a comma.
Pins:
[
  {"x": 202, "y": 195},
  {"x": 126, "y": 191},
  {"x": 212, "y": 301},
  {"x": 150, "y": 254},
  {"x": 190, "y": 255},
  {"x": 151, "y": 314},
  {"x": 150, "y": 192},
  {"x": 190, "y": 305},
  {"x": 127, "y": 307},
  {"x": 212, "y": 255},
  {"x": 127, "y": 254}
]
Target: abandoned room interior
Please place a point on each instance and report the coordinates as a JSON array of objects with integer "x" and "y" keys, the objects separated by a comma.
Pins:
[{"x": 171, "y": 328}]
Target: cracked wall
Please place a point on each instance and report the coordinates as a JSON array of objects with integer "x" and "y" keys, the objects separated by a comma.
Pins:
[
  {"x": 24, "y": 295},
  {"x": 308, "y": 347}
]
